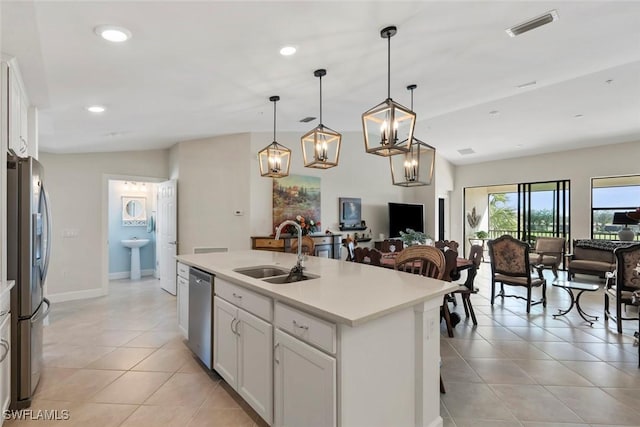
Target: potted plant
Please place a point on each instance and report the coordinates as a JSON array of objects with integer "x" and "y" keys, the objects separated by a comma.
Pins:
[
  {"x": 482, "y": 234},
  {"x": 413, "y": 237}
]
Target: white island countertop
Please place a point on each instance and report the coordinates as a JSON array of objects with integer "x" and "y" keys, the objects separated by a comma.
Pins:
[
  {"x": 5, "y": 287},
  {"x": 345, "y": 292}
]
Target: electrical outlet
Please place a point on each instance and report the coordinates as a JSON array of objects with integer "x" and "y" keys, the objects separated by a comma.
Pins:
[{"x": 238, "y": 212}]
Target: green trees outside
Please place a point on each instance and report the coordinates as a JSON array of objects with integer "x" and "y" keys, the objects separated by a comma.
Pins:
[{"x": 501, "y": 215}]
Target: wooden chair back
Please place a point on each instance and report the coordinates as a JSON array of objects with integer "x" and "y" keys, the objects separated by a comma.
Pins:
[
  {"x": 399, "y": 245},
  {"x": 308, "y": 245},
  {"x": 421, "y": 259},
  {"x": 443, "y": 244}
]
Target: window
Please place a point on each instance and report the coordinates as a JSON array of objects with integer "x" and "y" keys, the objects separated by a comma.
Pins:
[{"x": 612, "y": 195}]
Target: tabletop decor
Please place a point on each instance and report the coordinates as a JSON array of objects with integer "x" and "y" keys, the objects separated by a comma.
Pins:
[
  {"x": 413, "y": 237},
  {"x": 308, "y": 226}
]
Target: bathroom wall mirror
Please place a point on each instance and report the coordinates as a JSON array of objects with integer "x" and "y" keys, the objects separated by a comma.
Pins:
[{"x": 134, "y": 211}]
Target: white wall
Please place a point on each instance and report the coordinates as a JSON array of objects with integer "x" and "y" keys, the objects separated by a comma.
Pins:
[
  {"x": 213, "y": 182},
  {"x": 578, "y": 166},
  {"x": 441, "y": 187},
  {"x": 75, "y": 184}
]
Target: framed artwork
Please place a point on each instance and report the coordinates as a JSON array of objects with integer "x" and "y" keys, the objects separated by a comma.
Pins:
[
  {"x": 350, "y": 211},
  {"x": 296, "y": 195}
]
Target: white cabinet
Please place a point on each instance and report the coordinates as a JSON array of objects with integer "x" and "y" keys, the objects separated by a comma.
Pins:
[
  {"x": 18, "y": 115},
  {"x": 183, "y": 298},
  {"x": 243, "y": 346},
  {"x": 305, "y": 384},
  {"x": 5, "y": 363}
]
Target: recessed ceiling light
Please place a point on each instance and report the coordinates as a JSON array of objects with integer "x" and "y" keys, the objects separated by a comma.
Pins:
[
  {"x": 533, "y": 23},
  {"x": 96, "y": 109},
  {"x": 578, "y": 116},
  {"x": 466, "y": 151},
  {"x": 528, "y": 84},
  {"x": 494, "y": 113},
  {"x": 609, "y": 81},
  {"x": 113, "y": 33},
  {"x": 287, "y": 51}
]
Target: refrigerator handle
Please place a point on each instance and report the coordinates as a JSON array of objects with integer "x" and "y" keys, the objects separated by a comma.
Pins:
[
  {"x": 45, "y": 268},
  {"x": 36, "y": 318}
]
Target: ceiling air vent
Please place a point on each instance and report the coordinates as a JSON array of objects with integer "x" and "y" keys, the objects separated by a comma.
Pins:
[
  {"x": 532, "y": 24},
  {"x": 466, "y": 151},
  {"x": 307, "y": 119}
]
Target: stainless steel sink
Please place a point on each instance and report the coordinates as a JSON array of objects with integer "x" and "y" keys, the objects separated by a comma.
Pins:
[
  {"x": 262, "y": 271},
  {"x": 285, "y": 279}
]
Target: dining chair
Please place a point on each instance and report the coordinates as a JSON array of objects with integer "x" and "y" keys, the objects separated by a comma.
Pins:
[
  {"x": 510, "y": 266},
  {"x": 308, "y": 245},
  {"x": 428, "y": 261},
  {"x": 548, "y": 252},
  {"x": 467, "y": 288},
  {"x": 625, "y": 282}
]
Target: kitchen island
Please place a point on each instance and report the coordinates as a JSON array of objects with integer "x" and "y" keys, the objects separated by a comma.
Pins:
[{"x": 355, "y": 345}]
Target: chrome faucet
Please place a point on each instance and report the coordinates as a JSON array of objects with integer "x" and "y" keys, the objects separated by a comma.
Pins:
[{"x": 297, "y": 270}]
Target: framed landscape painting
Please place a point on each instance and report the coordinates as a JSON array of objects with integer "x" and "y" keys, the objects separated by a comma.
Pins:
[{"x": 296, "y": 195}]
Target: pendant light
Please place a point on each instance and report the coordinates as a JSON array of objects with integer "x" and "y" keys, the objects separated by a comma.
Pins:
[
  {"x": 321, "y": 145},
  {"x": 274, "y": 159},
  {"x": 414, "y": 168},
  {"x": 388, "y": 127}
]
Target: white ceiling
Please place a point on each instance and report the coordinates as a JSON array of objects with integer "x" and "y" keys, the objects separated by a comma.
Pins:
[{"x": 197, "y": 69}]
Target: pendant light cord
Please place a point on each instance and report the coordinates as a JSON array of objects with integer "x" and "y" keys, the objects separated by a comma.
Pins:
[
  {"x": 320, "y": 100},
  {"x": 388, "y": 65},
  {"x": 411, "y": 99},
  {"x": 274, "y": 121}
]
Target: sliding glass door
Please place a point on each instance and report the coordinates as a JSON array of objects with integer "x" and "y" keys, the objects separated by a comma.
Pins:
[{"x": 543, "y": 210}]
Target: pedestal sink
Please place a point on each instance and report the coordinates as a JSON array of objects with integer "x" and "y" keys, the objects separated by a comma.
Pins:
[{"x": 135, "y": 245}]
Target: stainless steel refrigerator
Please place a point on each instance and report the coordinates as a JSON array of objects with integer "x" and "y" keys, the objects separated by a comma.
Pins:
[{"x": 28, "y": 251}]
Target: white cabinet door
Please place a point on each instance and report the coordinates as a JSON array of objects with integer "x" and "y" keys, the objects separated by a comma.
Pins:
[
  {"x": 5, "y": 365},
  {"x": 17, "y": 123},
  {"x": 225, "y": 343},
  {"x": 305, "y": 384},
  {"x": 183, "y": 306},
  {"x": 255, "y": 363}
]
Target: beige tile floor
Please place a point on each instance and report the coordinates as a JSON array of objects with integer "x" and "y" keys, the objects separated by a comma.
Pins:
[{"x": 120, "y": 361}]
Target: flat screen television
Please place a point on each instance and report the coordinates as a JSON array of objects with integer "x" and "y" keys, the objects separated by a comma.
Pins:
[{"x": 403, "y": 216}]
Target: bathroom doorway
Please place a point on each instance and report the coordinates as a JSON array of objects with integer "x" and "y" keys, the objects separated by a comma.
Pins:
[{"x": 129, "y": 228}]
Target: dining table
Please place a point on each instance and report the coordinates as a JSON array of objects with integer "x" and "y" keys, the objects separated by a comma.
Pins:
[{"x": 388, "y": 260}]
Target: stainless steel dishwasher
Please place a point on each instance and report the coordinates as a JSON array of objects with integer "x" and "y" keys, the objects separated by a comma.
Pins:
[{"x": 200, "y": 315}]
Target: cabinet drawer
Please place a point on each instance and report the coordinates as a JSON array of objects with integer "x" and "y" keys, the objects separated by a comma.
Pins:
[
  {"x": 268, "y": 243},
  {"x": 183, "y": 270},
  {"x": 183, "y": 282},
  {"x": 306, "y": 327},
  {"x": 251, "y": 301},
  {"x": 322, "y": 240}
]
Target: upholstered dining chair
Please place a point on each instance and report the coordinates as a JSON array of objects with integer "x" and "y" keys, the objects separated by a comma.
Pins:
[
  {"x": 428, "y": 261},
  {"x": 308, "y": 245},
  {"x": 627, "y": 280},
  {"x": 548, "y": 252},
  {"x": 510, "y": 265}
]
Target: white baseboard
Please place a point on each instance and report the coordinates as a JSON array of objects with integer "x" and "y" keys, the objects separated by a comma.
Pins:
[
  {"x": 125, "y": 274},
  {"x": 75, "y": 295}
]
